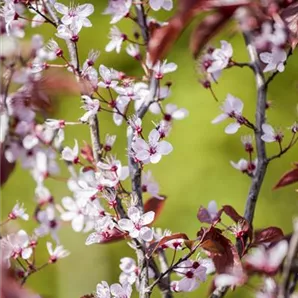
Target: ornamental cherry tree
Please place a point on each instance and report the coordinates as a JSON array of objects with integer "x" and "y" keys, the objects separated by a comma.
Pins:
[{"x": 107, "y": 200}]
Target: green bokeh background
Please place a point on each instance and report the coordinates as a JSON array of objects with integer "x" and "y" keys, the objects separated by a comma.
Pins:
[{"x": 197, "y": 171}]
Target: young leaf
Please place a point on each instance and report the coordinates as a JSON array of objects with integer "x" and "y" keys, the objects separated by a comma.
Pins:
[
  {"x": 288, "y": 178},
  {"x": 270, "y": 234},
  {"x": 154, "y": 204}
]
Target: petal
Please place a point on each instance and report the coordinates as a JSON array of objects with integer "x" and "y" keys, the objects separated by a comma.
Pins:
[
  {"x": 268, "y": 138},
  {"x": 268, "y": 129},
  {"x": 67, "y": 154},
  {"x": 126, "y": 224},
  {"x": 180, "y": 114},
  {"x": 232, "y": 128},
  {"x": 147, "y": 218},
  {"x": 219, "y": 118},
  {"x": 134, "y": 214},
  {"x": 69, "y": 204},
  {"x": 169, "y": 67},
  {"x": 93, "y": 238},
  {"x": 164, "y": 148},
  {"x": 85, "y": 10},
  {"x": 153, "y": 137},
  {"x": 50, "y": 248},
  {"x": 78, "y": 223},
  {"x": 266, "y": 57},
  {"x": 26, "y": 253},
  {"x": 140, "y": 144},
  {"x": 155, "y": 158},
  {"x": 61, "y": 8},
  {"x": 277, "y": 253},
  {"x": 146, "y": 234},
  {"x": 142, "y": 155},
  {"x": 155, "y": 4},
  {"x": 68, "y": 216},
  {"x": 167, "y": 4},
  {"x": 224, "y": 280}
]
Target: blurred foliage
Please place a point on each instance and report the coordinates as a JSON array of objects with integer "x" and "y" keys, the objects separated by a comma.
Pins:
[{"x": 197, "y": 171}]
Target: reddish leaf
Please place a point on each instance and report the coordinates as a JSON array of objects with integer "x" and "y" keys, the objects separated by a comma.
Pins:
[
  {"x": 232, "y": 213},
  {"x": 290, "y": 17},
  {"x": 154, "y": 204},
  {"x": 206, "y": 29},
  {"x": 212, "y": 246},
  {"x": 228, "y": 259},
  {"x": 115, "y": 235},
  {"x": 164, "y": 37},
  {"x": 288, "y": 178},
  {"x": 87, "y": 153},
  {"x": 155, "y": 245},
  {"x": 6, "y": 167},
  {"x": 271, "y": 234}
]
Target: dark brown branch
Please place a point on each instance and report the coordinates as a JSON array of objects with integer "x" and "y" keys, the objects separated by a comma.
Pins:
[{"x": 258, "y": 178}]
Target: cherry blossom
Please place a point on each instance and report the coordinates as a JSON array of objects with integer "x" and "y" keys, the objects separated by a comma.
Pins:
[
  {"x": 74, "y": 213},
  {"x": 18, "y": 211},
  {"x": 109, "y": 142},
  {"x": 103, "y": 230},
  {"x": 232, "y": 107},
  {"x": 247, "y": 143},
  {"x": 193, "y": 274},
  {"x": 75, "y": 14},
  {"x": 91, "y": 106},
  {"x": 150, "y": 186},
  {"x": 121, "y": 291},
  {"x": 153, "y": 150},
  {"x": 162, "y": 68},
  {"x": 245, "y": 166},
  {"x": 275, "y": 60},
  {"x": 158, "y": 4},
  {"x": 118, "y": 9},
  {"x": 269, "y": 289},
  {"x": 172, "y": 112},
  {"x": 68, "y": 33},
  {"x": 108, "y": 77},
  {"x": 270, "y": 135},
  {"x": 220, "y": 57},
  {"x": 103, "y": 290},
  {"x": 71, "y": 154},
  {"x": 234, "y": 278},
  {"x": 268, "y": 261},
  {"x": 15, "y": 246},
  {"x": 116, "y": 37},
  {"x": 134, "y": 51},
  {"x": 58, "y": 253},
  {"x": 48, "y": 223},
  {"x": 130, "y": 271},
  {"x": 136, "y": 224}
]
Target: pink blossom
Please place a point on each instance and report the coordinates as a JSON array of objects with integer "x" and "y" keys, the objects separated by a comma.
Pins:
[
  {"x": 118, "y": 9},
  {"x": 162, "y": 68},
  {"x": 18, "y": 211},
  {"x": 116, "y": 37},
  {"x": 121, "y": 291},
  {"x": 136, "y": 224},
  {"x": 108, "y": 77},
  {"x": 232, "y": 107},
  {"x": 269, "y": 260},
  {"x": 153, "y": 150},
  {"x": 71, "y": 154},
  {"x": 91, "y": 106},
  {"x": 15, "y": 246},
  {"x": 58, "y": 253},
  {"x": 245, "y": 166},
  {"x": 234, "y": 278},
  {"x": 103, "y": 290},
  {"x": 270, "y": 135},
  {"x": 220, "y": 58},
  {"x": 193, "y": 274},
  {"x": 75, "y": 14},
  {"x": 275, "y": 60}
]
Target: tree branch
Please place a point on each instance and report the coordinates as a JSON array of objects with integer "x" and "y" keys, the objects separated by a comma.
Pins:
[{"x": 258, "y": 178}]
